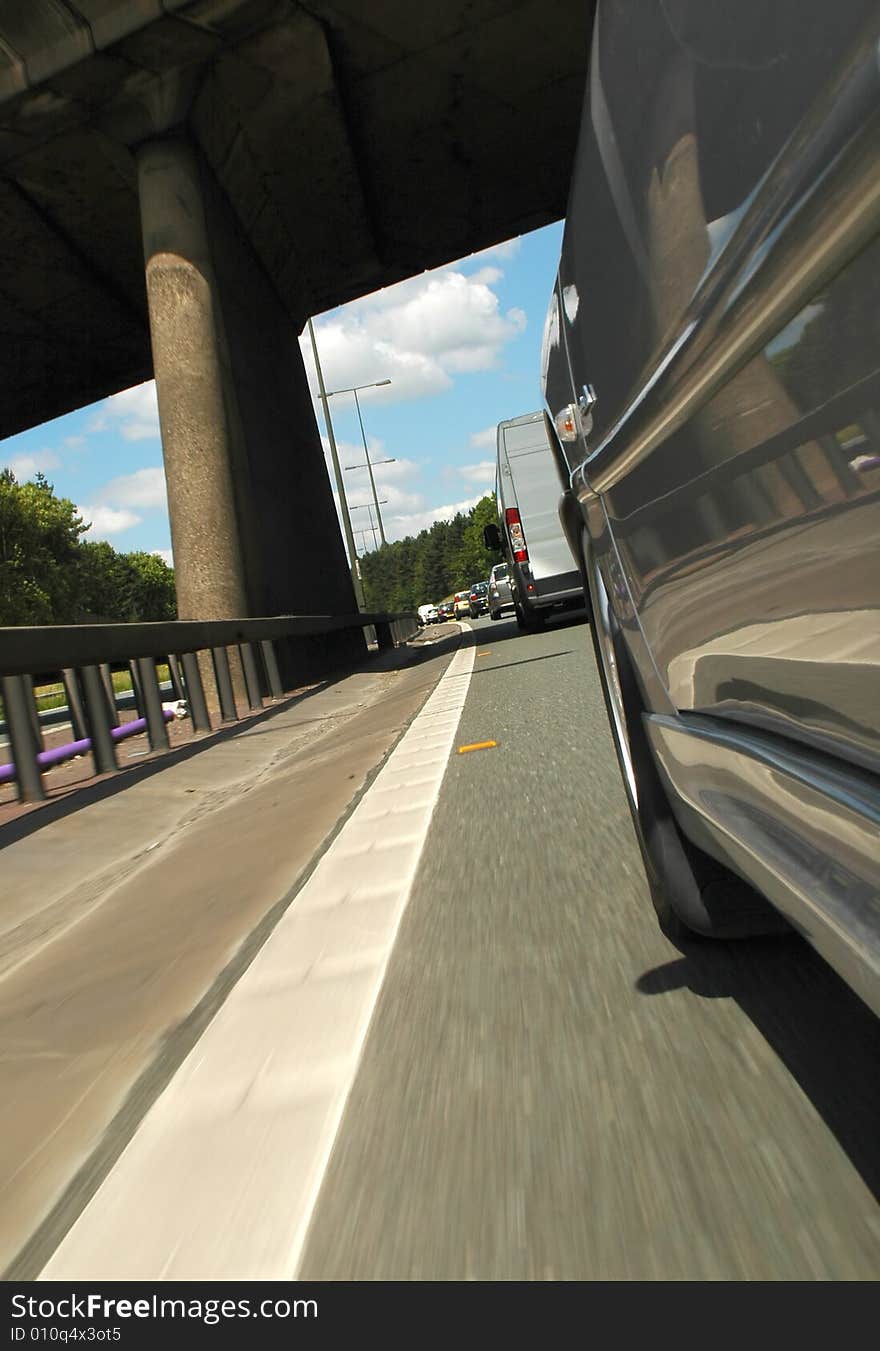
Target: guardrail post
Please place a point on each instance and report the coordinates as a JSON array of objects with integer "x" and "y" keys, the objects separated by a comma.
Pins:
[
  {"x": 174, "y": 673},
  {"x": 157, "y": 732},
  {"x": 195, "y": 693},
  {"x": 103, "y": 748},
  {"x": 73, "y": 694},
  {"x": 107, "y": 677},
  {"x": 251, "y": 676},
  {"x": 136, "y": 688},
  {"x": 270, "y": 661},
  {"x": 228, "y": 711},
  {"x": 34, "y": 712},
  {"x": 384, "y": 636},
  {"x": 17, "y": 703}
]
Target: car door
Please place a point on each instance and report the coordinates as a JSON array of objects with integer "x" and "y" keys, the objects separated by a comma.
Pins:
[{"x": 741, "y": 499}]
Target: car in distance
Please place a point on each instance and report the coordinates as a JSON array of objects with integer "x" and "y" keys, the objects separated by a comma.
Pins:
[
  {"x": 478, "y": 599},
  {"x": 462, "y": 604},
  {"x": 711, "y": 373},
  {"x": 499, "y": 594},
  {"x": 446, "y": 610}
]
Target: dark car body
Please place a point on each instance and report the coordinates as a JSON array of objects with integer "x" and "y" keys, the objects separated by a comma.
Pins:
[
  {"x": 478, "y": 599},
  {"x": 711, "y": 369}
]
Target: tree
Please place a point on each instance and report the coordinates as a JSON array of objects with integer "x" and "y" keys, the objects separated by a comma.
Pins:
[
  {"x": 101, "y": 582},
  {"x": 50, "y": 575},
  {"x": 420, "y": 569},
  {"x": 39, "y": 544},
  {"x": 474, "y": 561},
  {"x": 151, "y": 595}
]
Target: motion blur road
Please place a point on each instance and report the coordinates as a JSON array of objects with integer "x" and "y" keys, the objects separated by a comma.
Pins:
[{"x": 550, "y": 1089}]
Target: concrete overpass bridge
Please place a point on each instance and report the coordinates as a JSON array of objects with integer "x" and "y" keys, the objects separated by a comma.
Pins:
[{"x": 184, "y": 182}]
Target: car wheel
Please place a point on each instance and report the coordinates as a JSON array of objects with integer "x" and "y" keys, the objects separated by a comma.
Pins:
[
  {"x": 693, "y": 895},
  {"x": 528, "y": 622}
]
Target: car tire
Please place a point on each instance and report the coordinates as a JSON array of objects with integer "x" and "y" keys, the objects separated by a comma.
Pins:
[
  {"x": 694, "y": 896},
  {"x": 528, "y": 621}
]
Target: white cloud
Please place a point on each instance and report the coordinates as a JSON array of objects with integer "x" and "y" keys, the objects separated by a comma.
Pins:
[
  {"x": 134, "y": 411},
  {"x": 26, "y": 466},
  {"x": 506, "y": 250},
  {"x": 351, "y": 459},
  {"x": 487, "y": 437},
  {"x": 107, "y": 521},
  {"x": 165, "y": 554},
  {"x": 143, "y": 488},
  {"x": 397, "y": 526},
  {"x": 75, "y": 442},
  {"x": 486, "y": 276},
  {"x": 417, "y": 334},
  {"x": 111, "y": 511},
  {"x": 484, "y": 472}
]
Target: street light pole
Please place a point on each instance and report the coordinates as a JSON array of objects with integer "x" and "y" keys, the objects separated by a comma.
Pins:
[
  {"x": 370, "y": 469},
  {"x": 373, "y": 526},
  {"x": 346, "y": 521},
  {"x": 368, "y": 506}
]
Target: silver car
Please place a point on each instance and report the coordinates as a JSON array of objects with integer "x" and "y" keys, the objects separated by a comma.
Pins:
[
  {"x": 500, "y": 595},
  {"x": 711, "y": 367}
]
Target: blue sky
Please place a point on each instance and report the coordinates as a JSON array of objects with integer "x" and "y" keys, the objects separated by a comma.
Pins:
[{"x": 461, "y": 346}]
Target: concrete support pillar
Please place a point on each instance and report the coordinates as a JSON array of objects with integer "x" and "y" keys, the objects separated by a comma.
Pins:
[
  {"x": 253, "y": 524},
  {"x": 194, "y": 413}
]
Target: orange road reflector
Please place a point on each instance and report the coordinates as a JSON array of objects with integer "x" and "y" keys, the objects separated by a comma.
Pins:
[
  {"x": 477, "y": 746},
  {"x": 487, "y": 653}
]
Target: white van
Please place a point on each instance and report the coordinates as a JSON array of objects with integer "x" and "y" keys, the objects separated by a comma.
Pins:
[{"x": 529, "y": 489}]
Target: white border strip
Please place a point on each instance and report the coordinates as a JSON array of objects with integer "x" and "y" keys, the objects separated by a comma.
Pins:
[{"x": 222, "y": 1177}]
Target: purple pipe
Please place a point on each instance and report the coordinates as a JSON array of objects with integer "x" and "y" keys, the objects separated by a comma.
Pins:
[{"x": 58, "y": 754}]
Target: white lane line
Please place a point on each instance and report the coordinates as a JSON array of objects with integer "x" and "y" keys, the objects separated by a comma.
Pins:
[{"x": 221, "y": 1179}]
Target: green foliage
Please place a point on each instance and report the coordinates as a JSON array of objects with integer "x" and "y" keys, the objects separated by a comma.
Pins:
[
  {"x": 424, "y": 568},
  {"x": 474, "y": 560},
  {"x": 148, "y": 592},
  {"x": 39, "y": 542},
  {"x": 50, "y": 575}
]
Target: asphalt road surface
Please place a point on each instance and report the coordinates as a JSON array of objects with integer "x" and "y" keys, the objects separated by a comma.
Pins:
[{"x": 550, "y": 1089}]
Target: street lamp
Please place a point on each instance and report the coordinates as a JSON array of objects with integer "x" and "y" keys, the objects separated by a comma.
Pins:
[
  {"x": 368, "y": 506},
  {"x": 353, "y": 389},
  {"x": 340, "y": 487}
]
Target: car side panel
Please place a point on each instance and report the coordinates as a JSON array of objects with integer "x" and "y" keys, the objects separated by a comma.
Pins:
[
  {"x": 725, "y": 154},
  {"x": 750, "y": 537}
]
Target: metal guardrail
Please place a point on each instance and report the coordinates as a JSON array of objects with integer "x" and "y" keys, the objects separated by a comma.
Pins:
[{"x": 84, "y": 654}]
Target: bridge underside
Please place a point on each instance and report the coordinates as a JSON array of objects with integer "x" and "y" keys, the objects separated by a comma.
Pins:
[{"x": 339, "y": 146}]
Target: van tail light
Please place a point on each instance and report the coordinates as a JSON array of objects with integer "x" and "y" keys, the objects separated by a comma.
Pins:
[{"x": 517, "y": 536}]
